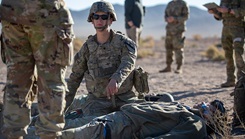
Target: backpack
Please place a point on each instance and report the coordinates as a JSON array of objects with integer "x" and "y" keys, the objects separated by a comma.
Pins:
[{"x": 141, "y": 81}]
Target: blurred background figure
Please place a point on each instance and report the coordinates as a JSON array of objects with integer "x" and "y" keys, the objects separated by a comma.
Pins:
[
  {"x": 176, "y": 14},
  {"x": 134, "y": 14},
  {"x": 232, "y": 38}
]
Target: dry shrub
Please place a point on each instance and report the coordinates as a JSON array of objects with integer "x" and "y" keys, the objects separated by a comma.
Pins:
[
  {"x": 215, "y": 54},
  {"x": 219, "y": 123},
  {"x": 77, "y": 44},
  {"x": 147, "y": 42},
  {"x": 142, "y": 53},
  {"x": 146, "y": 46},
  {"x": 197, "y": 37}
]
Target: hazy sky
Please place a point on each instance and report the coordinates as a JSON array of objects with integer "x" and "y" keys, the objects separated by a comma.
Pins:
[{"x": 82, "y": 4}]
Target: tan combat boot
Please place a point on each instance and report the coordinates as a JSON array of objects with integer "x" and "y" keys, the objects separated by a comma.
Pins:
[
  {"x": 167, "y": 69},
  {"x": 178, "y": 70},
  {"x": 228, "y": 84}
]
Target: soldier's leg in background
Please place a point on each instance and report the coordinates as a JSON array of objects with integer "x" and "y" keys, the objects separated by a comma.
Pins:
[
  {"x": 132, "y": 34},
  {"x": 138, "y": 34},
  {"x": 169, "y": 53},
  {"x": 227, "y": 44},
  {"x": 238, "y": 43},
  {"x": 20, "y": 69},
  {"x": 51, "y": 82},
  {"x": 178, "y": 43}
]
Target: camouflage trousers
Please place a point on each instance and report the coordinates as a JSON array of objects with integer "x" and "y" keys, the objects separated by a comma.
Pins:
[
  {"x": 134, "y": 34},
  {"x": 233, "y": 45},
  {"x": 92, "y": 107},
  {"x": 27, "y": 48},
  {"x": 143, "y": 120},
  {"x": 174, "y": 45}
]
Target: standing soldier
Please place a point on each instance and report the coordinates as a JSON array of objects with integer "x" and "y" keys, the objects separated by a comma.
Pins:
[
  {"x": 176, "y": 14},
  {"x": 134, "y": 13},
  {"x": 106, "y": 62},
  {"x": 35, "y": 34},
  {"x": 232, "y": 38}
]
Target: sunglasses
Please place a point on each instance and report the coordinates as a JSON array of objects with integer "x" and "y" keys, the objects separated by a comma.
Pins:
[{"x": 103, "y": 16}]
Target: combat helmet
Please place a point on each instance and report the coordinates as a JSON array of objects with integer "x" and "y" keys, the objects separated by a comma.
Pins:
[
  {"x": 102, "y": 6},
  {"x": 162, "y": 97}
]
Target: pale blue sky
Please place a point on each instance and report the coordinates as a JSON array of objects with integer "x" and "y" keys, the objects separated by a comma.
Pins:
[{"x": 82, "y": 4}]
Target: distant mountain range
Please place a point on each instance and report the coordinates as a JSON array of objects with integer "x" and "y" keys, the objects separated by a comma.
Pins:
[{"x": 200, "y": 22}]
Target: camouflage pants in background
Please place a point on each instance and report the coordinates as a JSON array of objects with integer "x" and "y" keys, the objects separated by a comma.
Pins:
[
  {"x": 27, "y": 47},
  {"x": 174, "y": 45},
  {"x": 233, "y": 45}
]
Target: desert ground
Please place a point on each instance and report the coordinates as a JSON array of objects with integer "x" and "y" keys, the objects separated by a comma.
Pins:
[{"x": 200, "y": 80}]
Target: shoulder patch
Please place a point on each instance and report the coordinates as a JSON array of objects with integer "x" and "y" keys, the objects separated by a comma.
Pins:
[{"x": 130, "y": 45}]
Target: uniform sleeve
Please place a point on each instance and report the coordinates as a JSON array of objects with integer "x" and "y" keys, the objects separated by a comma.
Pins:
[
  {"x": 128, "y": 9},
  {"x": 76, "y": 77},
  {"x": 185, "y": 13},
  {"x": 129, "y": 55}
]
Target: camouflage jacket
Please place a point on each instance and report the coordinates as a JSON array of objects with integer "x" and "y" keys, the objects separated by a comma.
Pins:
[
  {"x": 98, "y": 63},
  {"x": 38, "y": 12},
  {"x": 238, "y": 6},
  {"x": 180, "y": 11}
]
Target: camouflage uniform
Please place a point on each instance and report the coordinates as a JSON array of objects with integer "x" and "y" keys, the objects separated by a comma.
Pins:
[
  {"x": 233, "y": 40},
  {"x": 239, "y": 96},
  {"x": 174, "y": 42},
  {"x": 35, "y": 34},
  {"x": 98, "y": 63},
  {"x": 143, "y": 120}
]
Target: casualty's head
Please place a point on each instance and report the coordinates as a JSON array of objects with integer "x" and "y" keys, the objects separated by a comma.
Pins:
[{"x": 214, "y": 115}]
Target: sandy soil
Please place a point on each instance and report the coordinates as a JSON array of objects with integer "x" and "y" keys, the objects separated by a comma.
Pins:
[{"x": 200, "y": 80}]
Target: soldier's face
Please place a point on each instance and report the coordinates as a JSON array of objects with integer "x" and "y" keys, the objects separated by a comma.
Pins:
[{"x": 101, "y": 19}]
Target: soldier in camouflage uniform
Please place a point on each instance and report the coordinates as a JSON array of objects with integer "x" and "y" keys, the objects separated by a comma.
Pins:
[
  {"x": 106, "y": 61},
  {"x": 163, "y": 118},
  {"x": 176, "y": 14},
  {"x": 232, "y": 37},
  {"x": 35, "y": 34},
  {"x": 143, "y": 120}
]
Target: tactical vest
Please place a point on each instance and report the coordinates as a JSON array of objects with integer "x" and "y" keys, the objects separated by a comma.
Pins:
[{"x": 103, "y": 61}]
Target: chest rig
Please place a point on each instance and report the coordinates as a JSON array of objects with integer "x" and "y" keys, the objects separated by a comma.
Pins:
[{"x": 103, "y": 61}]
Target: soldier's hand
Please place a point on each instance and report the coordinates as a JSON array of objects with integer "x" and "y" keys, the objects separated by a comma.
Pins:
[
  {"x": 131, "y": 24},
  {"x": 170, "y": 19},
  {"x": 223, "y": 9},
  {"x": 112, "y": 88},
  {"x": 211, "y": 11}
]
